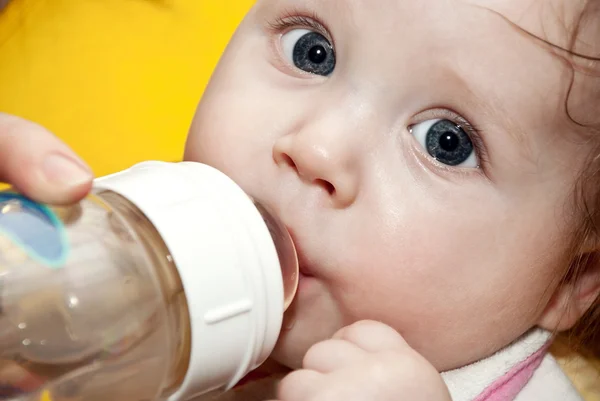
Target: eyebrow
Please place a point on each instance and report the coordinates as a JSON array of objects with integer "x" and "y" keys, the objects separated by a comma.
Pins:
[
  {"x": 491, "y": 105},
  {"x": 344, "y": 9}
]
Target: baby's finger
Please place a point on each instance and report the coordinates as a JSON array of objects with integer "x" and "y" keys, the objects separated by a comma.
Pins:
[
  {"x": 334, "y": 354},
  {"x": 300, "y": 385},
  {"x": 372, "y": 336},
  {"x": 39, "y": 165}
]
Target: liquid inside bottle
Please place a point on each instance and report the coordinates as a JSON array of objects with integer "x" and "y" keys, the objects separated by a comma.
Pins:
[
  {"x": 91, "y": 306},
  {"x": 167, "y": 282}
]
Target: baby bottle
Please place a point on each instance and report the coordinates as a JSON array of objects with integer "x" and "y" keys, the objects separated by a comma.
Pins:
[{"x": 167, "y": 282}]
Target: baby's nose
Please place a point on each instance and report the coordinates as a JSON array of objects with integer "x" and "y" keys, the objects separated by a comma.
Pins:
[{"x": 320, "y": 161}]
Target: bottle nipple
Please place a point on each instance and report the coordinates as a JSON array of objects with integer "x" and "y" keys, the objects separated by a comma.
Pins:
[{"x": 288, "y": 258}]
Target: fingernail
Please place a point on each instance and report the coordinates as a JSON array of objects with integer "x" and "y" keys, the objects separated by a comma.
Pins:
[{"x": 66, "y": 171}]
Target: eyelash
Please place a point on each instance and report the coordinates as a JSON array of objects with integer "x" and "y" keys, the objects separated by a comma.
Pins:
[
  {"x": 475, "y": 133},
  {"x": 295, "y": 18}
]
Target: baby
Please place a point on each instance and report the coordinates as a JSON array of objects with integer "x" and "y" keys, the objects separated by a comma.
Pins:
[{"x": 438, "y": 165}]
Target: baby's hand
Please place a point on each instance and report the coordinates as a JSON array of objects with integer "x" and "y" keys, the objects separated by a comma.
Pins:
[{"x": 367, "y": 361}]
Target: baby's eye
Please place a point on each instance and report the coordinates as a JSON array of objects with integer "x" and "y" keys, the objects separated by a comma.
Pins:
[
  {"x": 309, "y": 51},
  {"x": 446, "y": 142}
]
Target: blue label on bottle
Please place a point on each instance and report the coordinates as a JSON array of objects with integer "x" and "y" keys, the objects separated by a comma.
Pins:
[
  {"x": 35, "y": 228},
  {"x": 7, "y": 391}
]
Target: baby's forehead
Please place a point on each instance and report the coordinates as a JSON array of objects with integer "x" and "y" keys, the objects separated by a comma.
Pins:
[
  {"x": 560, "y": 27},
  {"x": 569, "y": 29},
  {"x": 556, "y": 21},
  {"x": 573, "y": 25}
]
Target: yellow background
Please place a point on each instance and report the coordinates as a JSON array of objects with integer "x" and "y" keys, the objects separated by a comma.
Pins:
[{"x": 118, "y": 80}]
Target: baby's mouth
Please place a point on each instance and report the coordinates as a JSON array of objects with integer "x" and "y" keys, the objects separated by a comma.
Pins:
[{"x": 304, "y": 272}]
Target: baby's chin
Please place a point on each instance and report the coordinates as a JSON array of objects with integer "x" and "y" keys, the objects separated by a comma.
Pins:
[
  {"x": 314, "y": 316},
  {"x": 298, "y": 336},
  {"x": 290, "y": 349}
]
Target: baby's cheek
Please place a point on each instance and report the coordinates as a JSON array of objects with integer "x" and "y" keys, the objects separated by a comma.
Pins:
[
  {"x": 423, "y": 290},
  {"x": 215, "y": 133}
]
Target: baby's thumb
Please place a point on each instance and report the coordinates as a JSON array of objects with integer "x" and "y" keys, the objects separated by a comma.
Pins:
[{"x": 39, "y": 165}]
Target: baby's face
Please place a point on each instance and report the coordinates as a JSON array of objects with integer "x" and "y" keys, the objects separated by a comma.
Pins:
[{"x": 417, "y": 151}]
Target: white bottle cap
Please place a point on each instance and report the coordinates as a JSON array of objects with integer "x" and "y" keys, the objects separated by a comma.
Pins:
[{"x": 227, "y": 261}]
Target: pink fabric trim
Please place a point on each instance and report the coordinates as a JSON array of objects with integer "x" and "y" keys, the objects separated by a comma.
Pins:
[{"x": 508, "y": 386}]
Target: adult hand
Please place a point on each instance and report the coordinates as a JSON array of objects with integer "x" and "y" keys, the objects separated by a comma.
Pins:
[{"x": 39, "y": 165}]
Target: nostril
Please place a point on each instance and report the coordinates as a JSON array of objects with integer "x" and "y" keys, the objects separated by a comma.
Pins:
[
  {"x": 285, "y": 159},
  {"x": 326, "y": 185},
  {"x": 289, "y": 161}
]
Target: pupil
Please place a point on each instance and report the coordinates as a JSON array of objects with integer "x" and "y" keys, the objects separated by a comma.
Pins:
[
  {"x": 449, "y": 142},
  {"x": 317, "y": 54}
]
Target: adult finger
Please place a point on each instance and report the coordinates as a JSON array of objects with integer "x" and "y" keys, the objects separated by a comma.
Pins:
[{"x": 39, "y": 165}]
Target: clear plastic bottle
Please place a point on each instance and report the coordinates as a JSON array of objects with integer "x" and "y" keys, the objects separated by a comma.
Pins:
[{"x": 167, "y": 282}]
